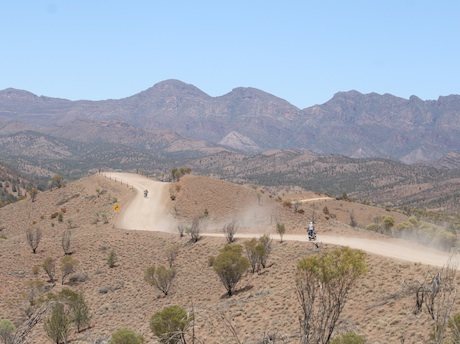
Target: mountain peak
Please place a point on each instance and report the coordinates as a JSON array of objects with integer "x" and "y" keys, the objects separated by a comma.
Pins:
[
  {"x": 173, "y": 87},
  {"x": 14, "y": 93}
]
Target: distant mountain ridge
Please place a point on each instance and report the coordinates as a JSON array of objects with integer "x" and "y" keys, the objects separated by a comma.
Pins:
[{"x": 248, "y": 120}]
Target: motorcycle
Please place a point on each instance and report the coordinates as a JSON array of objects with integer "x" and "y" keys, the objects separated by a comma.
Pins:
[
  {"x": 311, "y": 235},
  {"x": 145, "y": 193}
]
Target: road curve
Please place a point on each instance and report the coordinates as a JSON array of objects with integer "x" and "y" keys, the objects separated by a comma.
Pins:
[
  {"x": 150, "y": 214},
  {"x": 143, "y": 213}
]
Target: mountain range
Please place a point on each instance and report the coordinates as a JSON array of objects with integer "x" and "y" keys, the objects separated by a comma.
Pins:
[
  {"x": 377, "y": 148},
  {"x": 175, "y": 116}
]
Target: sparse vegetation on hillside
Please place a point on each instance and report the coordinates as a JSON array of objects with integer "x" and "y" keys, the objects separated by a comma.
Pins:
[{"x": 263, "y": 305}]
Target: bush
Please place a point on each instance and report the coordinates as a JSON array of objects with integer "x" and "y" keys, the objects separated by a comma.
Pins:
[
  {"x": 112, "y": 259},
  {"x": 7, "y": 330},
  {"x": 57, "y": 326},
  {"x": 67, "y": 267},
  {"x": 160, "y": 277},
  {"x": 126, "y": 336},
  {"x": 280, "y": 229},
  {"x": 348, "y": 338},
  {"x": 50, "y": 268},
  {"x": 33, "y": 237},
  {"x": 230, "y": 266},
  {"x": 170, "y": 324}
]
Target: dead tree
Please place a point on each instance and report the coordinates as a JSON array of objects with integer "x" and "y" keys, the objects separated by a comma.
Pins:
[
  {"x": 438, "y": 293},
  {"x": 230, "y": 230}
]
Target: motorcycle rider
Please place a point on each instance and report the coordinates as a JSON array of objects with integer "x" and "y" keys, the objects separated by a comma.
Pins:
[{"x": 311, "y": 229}]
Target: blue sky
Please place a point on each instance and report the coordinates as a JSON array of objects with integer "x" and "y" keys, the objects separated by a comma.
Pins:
[{"x": 301, "y": 51}]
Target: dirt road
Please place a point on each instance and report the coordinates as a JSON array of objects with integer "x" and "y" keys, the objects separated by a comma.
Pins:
[
  {"x": 144, "y": 213},
  {"x": 150, "y": 214}
]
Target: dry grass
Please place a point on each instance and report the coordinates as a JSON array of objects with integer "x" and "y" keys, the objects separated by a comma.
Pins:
[{"x": 119, "y": 297}]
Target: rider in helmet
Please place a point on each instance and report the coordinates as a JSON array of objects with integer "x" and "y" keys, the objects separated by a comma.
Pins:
[{"x": 311, "y": 228}]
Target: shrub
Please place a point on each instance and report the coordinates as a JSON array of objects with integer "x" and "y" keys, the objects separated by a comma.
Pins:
[
  {"x": 65, "y": 241},
  {"x": 67, "y": 267},
  {"x": 348, "y": 338},
  {"x": 160, "y": 277},
  {"x": 266, "y": 242},
  {"x": 170, "y": 324},
  {"x": 57, "y": 326},
  {"x": 50, "y": 268},
  {"x": 33, "y": 237},
  {"x": 373, "y": 227},
  {"x": 323, "y": 283},
  {"x": 112, "y": 259},
  {"x": 230, "y": 230},
  {"x": 230, "y": 266},
  {"x": 126, "y": 336},
  {"x": 280, "y": 229},
  {"x": 172, "y": 251},
  {"x": 80, "y": 312},
  {"x": 7, "y": 330},
  {"x": 195, "y": 229}
]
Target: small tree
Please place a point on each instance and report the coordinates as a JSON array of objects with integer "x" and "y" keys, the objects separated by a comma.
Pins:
[
  {"x": 112, "y": 259},
  {"x": 322, "y": 283},
  {"x": 439, "y": 293},
  {"x": 388, "y": 222},
  {"x": 49, "y": 266},
  {"x": 172, "y": 251},
  {"x": 280, "y": 229},
  {"x": 65, "y": 241},
  {"x": 230, "y": 266},
  {"x": 57, "y": 326},
  {"x": 253, "y": 258},
  {"x": 80, "y": 312},
  {"x": 57, "y": 181},
  {"x": 181, "y": 229},
  {"x": 33, "y": 237},
  {"x": 7, "y": 331},
  {"x": 160, "y": 277},
  {"x": 170, "y": 324},
  {"x": 230, "y": 230},
  {"x": 266, "y": 242},
  {"x": 68, "y": 265},
  {"x": 195, "y": 229},
  {"x": 126, "y": 336},
  {"x": 33, "y": 194},
  {"x": 353, "y": 222}
]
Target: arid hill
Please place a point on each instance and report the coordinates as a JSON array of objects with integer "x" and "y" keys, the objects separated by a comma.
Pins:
[{"x": 378, "y": 307}]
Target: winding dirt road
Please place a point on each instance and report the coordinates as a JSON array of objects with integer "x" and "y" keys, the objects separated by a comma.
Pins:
[{"x": 150, "y": 214}]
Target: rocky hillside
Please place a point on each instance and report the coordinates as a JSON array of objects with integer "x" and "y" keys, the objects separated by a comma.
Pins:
[
  {"x": 379, "y": 305},
  {"x": 250, "y": 120}
]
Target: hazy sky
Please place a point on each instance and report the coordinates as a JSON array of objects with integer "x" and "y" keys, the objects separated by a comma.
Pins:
[{"x": 301, "y": 51}]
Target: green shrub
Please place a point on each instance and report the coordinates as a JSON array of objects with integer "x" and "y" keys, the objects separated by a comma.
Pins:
[
  {"x": 230, "y": 266},
  {"x": 160, "y": 277},
  {"x": 112, "y": 259},
  {"x": 126, "y": 336},
  {"x": 348, "y": 338},
  {"x": 7, "y": 330},
  {"x": 170, "y": 324}
]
